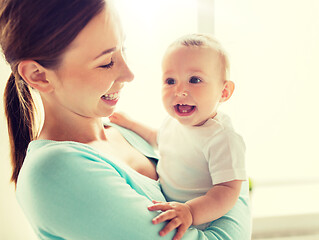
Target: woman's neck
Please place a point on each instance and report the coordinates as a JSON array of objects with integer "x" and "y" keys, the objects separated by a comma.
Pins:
[{"x": 71, "y": 127}]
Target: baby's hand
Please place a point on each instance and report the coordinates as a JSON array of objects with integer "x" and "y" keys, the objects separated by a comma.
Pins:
[
  {"x": 121, "y": 119},
  {"x": 179, "y": 214}
]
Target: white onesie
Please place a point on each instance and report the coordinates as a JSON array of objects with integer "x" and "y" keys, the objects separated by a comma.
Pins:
[{"x": 193, "y": 159}]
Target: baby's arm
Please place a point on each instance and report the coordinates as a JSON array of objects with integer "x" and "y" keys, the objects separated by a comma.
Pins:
[
  {"x": 213, "y": 205},
  {"x": 149, "y": 134}
]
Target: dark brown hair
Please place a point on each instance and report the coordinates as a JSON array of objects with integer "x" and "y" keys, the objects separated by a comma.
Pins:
[{"x": 38, "y": 30}]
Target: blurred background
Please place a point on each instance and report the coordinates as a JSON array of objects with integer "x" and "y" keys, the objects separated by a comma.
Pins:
[{"x": 273, "y": 49}]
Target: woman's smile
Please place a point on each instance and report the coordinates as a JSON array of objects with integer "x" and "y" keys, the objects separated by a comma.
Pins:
[{"x": 111, "y": 98}]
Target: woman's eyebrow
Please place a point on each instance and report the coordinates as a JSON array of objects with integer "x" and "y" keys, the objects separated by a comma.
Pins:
[{"x": 105, "y": 52}]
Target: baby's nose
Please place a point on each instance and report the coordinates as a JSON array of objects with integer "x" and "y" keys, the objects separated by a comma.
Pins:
[{"x": 182, "y": 94}]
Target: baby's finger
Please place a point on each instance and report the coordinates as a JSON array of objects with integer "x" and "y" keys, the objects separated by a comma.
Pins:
[
  {"x": 154, "y": 201},
  {"x": 164, "y": 217},
  {"x": 163, "y": 206},
  {"x": 180, "y": 232},
  {"x": 113, "y": 118},
  {"x": 114, "y": 114},
  {"x": 174, "y": 223}
]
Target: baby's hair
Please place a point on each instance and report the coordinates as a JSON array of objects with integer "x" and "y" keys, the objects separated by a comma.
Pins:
[{"x": 205, "y": 40}]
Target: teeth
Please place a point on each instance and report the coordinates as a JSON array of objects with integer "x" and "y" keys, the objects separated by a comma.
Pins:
[
  {"x": 184, "y": 108},
  {"x": 111, "y": 96}
]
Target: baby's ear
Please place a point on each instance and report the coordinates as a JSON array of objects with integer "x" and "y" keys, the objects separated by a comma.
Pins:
[
  {"x": 34, "y": 75},
  {"x": 228, "y": 90}
]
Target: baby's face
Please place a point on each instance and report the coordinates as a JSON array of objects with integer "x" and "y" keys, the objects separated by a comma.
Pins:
[{"x": 192, "y": 84}]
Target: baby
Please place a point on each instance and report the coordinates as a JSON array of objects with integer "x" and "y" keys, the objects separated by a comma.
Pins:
[{"x": 202, "y": 158}]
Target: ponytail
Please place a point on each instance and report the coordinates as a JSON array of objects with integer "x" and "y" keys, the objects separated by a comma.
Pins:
[{"x": 19, "y": 110}]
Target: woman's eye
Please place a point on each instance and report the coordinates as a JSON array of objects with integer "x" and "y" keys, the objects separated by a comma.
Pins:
[
  {"x": 108, "y": 65},
  {"x": 195, "y": 80},
  {"x": 170, "y": 81}
]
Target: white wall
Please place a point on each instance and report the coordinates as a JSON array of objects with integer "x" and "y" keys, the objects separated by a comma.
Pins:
[{"x": 274, "y": 60}]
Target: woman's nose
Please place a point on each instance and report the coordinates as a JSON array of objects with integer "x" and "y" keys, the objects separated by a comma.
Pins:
[
  {"x": 126, "y": 74},
  {"x": 129, "y": 74}
]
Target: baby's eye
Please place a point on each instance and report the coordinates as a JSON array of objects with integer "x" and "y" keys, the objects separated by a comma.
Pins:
[
  {"x": 108, "y": 65},
  {"x": 170, "y": 81},
  {"x": 194, "y": 79}
]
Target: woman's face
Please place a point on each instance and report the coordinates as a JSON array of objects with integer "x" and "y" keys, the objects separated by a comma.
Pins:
[{"x": 93, "y": 69}]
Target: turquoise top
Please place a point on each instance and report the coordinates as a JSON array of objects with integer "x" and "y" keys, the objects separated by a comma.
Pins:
[{"x": 69, "y": 190}]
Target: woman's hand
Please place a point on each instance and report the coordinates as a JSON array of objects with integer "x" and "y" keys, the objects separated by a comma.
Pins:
[{"x": 179, "y": 214}]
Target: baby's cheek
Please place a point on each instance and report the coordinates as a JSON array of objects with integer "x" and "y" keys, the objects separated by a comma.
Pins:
[{"x": 166, "y": 97}]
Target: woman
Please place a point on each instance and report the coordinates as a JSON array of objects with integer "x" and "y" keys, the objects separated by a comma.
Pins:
[{"x": 76, "y": 178}]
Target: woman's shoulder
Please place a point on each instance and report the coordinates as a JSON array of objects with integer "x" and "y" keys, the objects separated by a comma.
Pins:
[
  {"x": 57, "y": 161},
  {"x": 41, "y": 152},
  {"x": 56, "y": 146},
  {"x": 58, "y": 167}
]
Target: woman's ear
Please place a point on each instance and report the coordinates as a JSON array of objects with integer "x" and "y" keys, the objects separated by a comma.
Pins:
[
  {"x": 228, "y": 90},
  {"x": 34, "y": 75}
]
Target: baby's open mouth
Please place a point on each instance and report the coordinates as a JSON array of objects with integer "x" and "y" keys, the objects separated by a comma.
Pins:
[{"x": 184, "y": 109}]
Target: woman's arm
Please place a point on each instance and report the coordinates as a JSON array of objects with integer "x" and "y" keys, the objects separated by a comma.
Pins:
[
  {"x": 68, "y": 196},
  {"x": 76, "y": 197}
]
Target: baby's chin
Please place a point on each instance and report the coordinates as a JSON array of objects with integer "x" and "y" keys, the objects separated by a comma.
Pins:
[
  {"x": 186, "y": 121},
  {"x": 190, "y": 121}
]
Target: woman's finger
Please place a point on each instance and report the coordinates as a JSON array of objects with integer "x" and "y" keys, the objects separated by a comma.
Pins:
[
  {"x": 168, "y": 215},
  {"x": 174, "y": 223}
]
